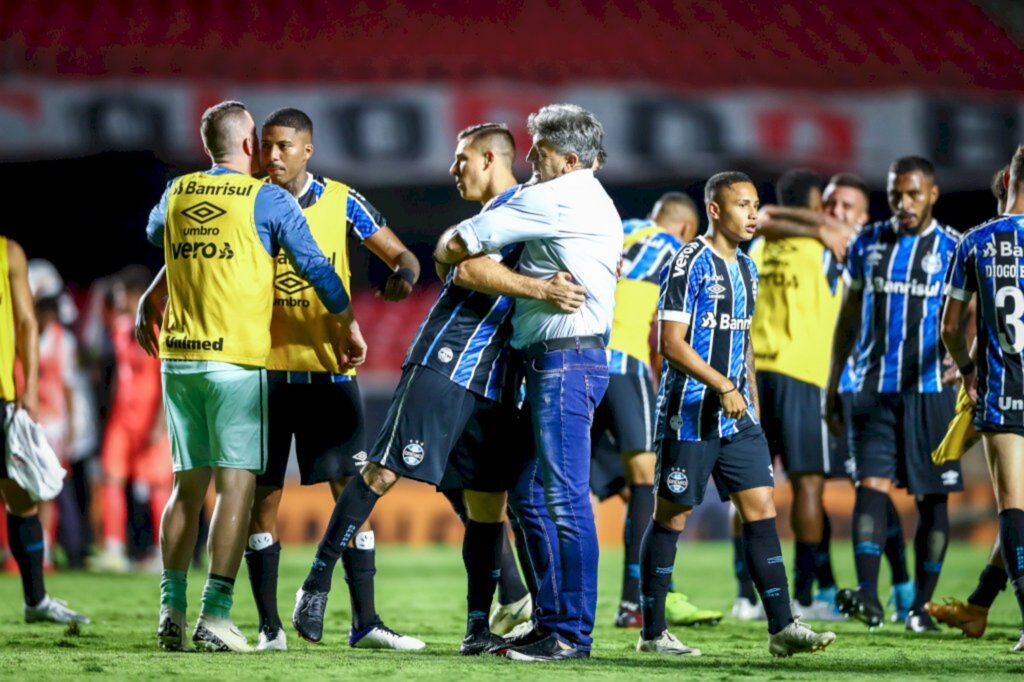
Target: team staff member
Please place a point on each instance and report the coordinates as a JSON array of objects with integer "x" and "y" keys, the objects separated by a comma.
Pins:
[
  {"x": 19, "y": 337},
  {"x": 310, "y": 398},
  {"x": 220, "y": 230},
  {"x": 566, "y": 221},
  {"x": 889, "y": 320},
  {"x": 627, "y": 412},
  {"x": 457, "y": 359},
  {"x": 707, "y": 418},
  {"x": 989, "y": 263}
]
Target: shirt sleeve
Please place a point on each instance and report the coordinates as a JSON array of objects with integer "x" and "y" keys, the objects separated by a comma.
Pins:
[
  {"x": 279, "y": 217},
  {"x": 157, "y": 220},
  {"x": 679, "y": 289},
  {"x": 960, "y": 281},
  {"x": 530, "y": 214},
  {"x": 853, "y": 272},
  {"x": 363, "y": 219}
]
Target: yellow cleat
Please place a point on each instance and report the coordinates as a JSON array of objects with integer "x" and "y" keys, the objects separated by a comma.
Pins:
[{"x": 964, "y": 616}]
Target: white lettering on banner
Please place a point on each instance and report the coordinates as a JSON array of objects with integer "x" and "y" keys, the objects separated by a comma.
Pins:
[{"x": 399, "y": 133}]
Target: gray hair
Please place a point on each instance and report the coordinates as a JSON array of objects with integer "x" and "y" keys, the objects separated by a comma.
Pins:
[{"x": 569, "y": 128}]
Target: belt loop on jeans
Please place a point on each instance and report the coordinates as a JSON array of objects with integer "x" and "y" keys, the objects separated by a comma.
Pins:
[{"x": 577, "y": 343}]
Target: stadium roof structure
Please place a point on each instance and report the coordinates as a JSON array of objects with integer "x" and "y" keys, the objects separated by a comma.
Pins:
[{"x": 798, "y": 44}]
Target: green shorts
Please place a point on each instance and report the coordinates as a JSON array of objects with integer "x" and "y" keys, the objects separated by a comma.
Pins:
[{"x": 216, "y": 415}]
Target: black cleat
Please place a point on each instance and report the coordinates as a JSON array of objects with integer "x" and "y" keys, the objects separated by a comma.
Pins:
[
  {"x": 531, "y": 636},
  {"x": 854, "y": 605},
  {"x": 629, "y": 616},
  {"x": 308, "y": 616},
  {"x": 920, "y": 621},
  {"x": 547, "y": 649},
  {"x": 480, "y": 643}
]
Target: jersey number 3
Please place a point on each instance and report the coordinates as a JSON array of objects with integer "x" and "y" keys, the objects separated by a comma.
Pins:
[{"x": 1011, "y": 336}]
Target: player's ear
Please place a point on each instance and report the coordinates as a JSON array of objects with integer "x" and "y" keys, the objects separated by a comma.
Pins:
[
  {"x": 572, "y": 161},
  {"x": 714, "y": 210},
  {"x": 309, "y": 150},
  {"x": 488, "y": 158},
  {"x": 935, "y": 193}
]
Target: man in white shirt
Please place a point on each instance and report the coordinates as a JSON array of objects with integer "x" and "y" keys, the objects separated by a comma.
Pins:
[{"x": 567, "y": 223}]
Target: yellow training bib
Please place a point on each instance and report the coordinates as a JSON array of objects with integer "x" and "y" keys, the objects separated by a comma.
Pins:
[
  {"x": 7, "y": 340},
  {"x": 303, "y": 332},
  {"x": 636, "y": 295},
  {"x": 219, "y": 275}
]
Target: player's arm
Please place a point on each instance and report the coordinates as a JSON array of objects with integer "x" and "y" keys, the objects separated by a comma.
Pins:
[
  {"x": 779, "y": 222},
  {"x": 405, "y": 267},
  {"x": 755, "y": 399},
  {"x": 149, "y": 315},
  {"x": 527, "y": 216},
  {"x": 26, "y": 329},
  {"x": 847, "y": 328},
  {"x": 956, "y": 317},
  {"x": 674, "y": 347}
]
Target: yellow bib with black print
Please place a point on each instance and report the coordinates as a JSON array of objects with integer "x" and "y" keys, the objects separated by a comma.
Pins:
[{"x": 7, "y": 340}]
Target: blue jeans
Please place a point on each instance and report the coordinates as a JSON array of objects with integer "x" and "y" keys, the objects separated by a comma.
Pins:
[{"x": 552, "y": 497}]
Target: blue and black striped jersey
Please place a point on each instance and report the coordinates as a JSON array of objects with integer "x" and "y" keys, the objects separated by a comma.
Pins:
[
  {"x": 716, "y": 299},
  {"x": 901, "y": 275},
  {"x": 466, "y": 333},
  {"x": 361, "y": 218},
  {"x": 989, "y": 262}
]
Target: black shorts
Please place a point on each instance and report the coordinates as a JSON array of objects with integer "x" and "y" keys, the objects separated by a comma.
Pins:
[
  {"x": 607, "y": 472},
  {"x": 892, "y": 436},
  {"x": 428, "y": 417},
  {"x": 627, "y": 413},
  {"x": 841, "y": 453},
  {"x": 739, "y": 462},
  {"x": 326, "y": 420},
  {"x": 791, "y": 415}
]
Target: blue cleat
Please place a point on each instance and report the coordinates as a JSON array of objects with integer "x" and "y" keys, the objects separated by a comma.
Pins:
[{"x": 902, "y": 598}]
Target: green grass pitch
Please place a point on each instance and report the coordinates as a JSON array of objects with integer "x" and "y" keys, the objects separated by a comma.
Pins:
[{"x": 421, "y": 592}]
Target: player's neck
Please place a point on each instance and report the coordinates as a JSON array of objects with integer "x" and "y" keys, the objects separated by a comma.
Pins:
[
  {"x": 1016, "y": 206},
  {"x": 497, "y": 185},
  {"x": 721, "y": 244},
  {"x": 297, "y": 185},
  {"x": 239, "y": 165}
]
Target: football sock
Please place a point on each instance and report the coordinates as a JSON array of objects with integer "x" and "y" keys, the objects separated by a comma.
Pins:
[
  {"x": 481, "y": 554},
  {"x": 174, "y": 589},
  {"x": 930, "y": 542},
  {"x": 360, "y": 564},
  {"x": 895, "y": 547},
  {"x": 991, "y": 582},
  {"x": 350, "y": 512},
  {"x": 744, "y": 584},
  {"x": 25, "y": 535},
  {"x": 823, "y": 556},
  {"x": 510, "y": 586},
  {"x": 639, "y": 512},
  {"x": 657, "y": 561},
  {"x": 764, "y": 556},
  {"x": 869, "y": 512},
  {"x": 804, "y": 571},
  {"x": 1011, "y": 535},
  {"x": 218, "y": 596},
  {"x": 263, "y": 562}
]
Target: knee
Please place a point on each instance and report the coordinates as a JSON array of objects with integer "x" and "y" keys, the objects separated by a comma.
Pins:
[
  {"x": 640, "y": 468},
  {"x": 264, "y": 511},
  {"x": 757, "y": 504},
  {"x": 485, "y": 507},
  {"x": 379, "y": 479},
  {"x": 671, "y": 515},
  {"x": 809, "y": 487},
  {"x": 23, "y": 508},
  {"x": 881, "y": 485}
]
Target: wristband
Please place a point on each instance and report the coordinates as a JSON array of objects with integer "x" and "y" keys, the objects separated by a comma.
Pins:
[
  {"x": 406, "y": 275},
  {"x": 734, "y": 388},
  {"x": 964, "y": 371}
]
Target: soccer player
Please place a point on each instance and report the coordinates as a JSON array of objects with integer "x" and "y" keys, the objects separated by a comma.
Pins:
[
  {"x": 971, "y": 617},
  {"x": 457, "y": 359},
  {"x": 989, "y": 262},
  {"x": 567, "y": 222},
  {"x": 707, "y": 418},
  {"x": 626, "y": 414},
  {"x": 309, "y": 398},
  {"x": 19, "y": 338},
  {"x": 798, "y": 301},
  {"x": 889, "y": 320},
  {"x": 221, "y": 230}
]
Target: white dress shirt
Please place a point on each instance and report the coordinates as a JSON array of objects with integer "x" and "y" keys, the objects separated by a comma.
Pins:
[{"x": 566, "y": 224}]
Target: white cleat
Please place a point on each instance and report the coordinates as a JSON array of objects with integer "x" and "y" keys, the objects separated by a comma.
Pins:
[
  {"x": 817, "y": 610},
  {"x": 109, "y": 561},
  {"x": 666, "y": 644},
  {"x": 52, "y": 610},
  {"x": 380, "y": 636},
  {"x": 744, "y": 609},
  {"x": 523, "y": 628},
  {"x": 1019, "y": 646},
  {"x": 170, "y": 635},
  {"x": 505, "y": 617},
  {"x": 275, "y": 643},
  {"x": 797, "y": 638},
  {"x": 219, "y": 634}
]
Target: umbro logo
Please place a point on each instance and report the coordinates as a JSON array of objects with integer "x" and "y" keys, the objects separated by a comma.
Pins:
[
  {"x": 716, "y": 289},
  {"x": 290, "y": 283},
  {"x": 950, "y": 478},
  {"x": 203, "y": 212}
]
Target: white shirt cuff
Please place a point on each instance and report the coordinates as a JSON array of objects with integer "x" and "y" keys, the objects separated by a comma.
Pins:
[
  {"x": 675, "y": 316},
  {"x": 466, "y": 230},
  {"x": 959, "y": 294}
]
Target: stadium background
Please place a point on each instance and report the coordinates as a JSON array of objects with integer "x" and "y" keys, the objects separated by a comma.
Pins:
[{"x": 100, "y": 101}]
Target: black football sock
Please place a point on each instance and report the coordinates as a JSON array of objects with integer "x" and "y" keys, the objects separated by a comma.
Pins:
[
  {"x": 823, "y": 557},
  {"x": 657, "y": 561},
  {"x": 263, "y": 570},
  {"x": 804, "y": 571},
  {"x": 895, "y": 546},
  {"x": 869, "y": 512},
  {"x": 1011, "y": 535},
  {"x": 360, "y": 567},
  {"x": 510, "y": 586},
  {"x": 991, "y": 582},
  {"x": 481, "y": 554},
  {"x": 25, "y": 537},
  {"x": 744, "y": 584},
  {"x": 639, "y": 512},
  {"x": 764, "y": 556},
  {"x": 350, "y": 512},
  {"x": 930, "y": 542},
  {"x": 523, "y": 553}
]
